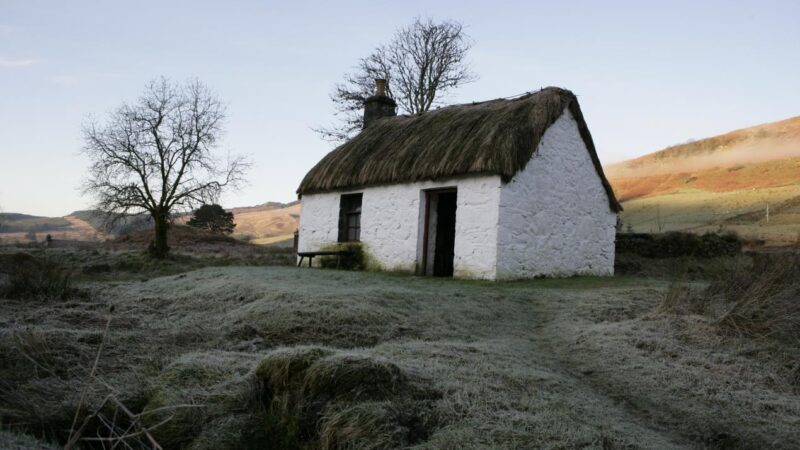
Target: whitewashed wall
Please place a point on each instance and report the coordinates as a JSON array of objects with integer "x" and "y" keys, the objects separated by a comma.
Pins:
[
  {"x": 555, "y": 218},
  {"x": 392, "y": 222}
]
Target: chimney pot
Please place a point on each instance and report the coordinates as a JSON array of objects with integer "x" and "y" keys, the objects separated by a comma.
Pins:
[{"x": 380, "y": 87}]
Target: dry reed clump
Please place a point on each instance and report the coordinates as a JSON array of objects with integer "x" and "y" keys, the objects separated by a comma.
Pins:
[
  {"x": 761, "y": 300},
  {"x": 679, "y": 299},
  {"x": 37, "y": 380},
  {"x": 320, "y": 398}
]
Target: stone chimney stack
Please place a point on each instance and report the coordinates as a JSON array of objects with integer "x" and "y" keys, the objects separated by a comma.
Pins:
[{"x": 378, "y": 105}]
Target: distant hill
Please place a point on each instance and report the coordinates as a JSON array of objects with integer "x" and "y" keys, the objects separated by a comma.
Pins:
[
  {"x": 266, "y": 223},
  {"x": 268, "y": 206},
  {"x": 15, "y": 217},
  {"x": 16, "y": 227},
  {"x": 746, "y": 181}
]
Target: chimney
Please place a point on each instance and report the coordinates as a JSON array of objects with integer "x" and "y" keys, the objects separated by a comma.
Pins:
[{"x": 378, "y": 105}]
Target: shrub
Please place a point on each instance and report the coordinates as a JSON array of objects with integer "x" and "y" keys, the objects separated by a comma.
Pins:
[
  {"x": 676, "y": 244},
  {"x": 213, "y": 218},
  {"x": 356, "y": 260},
  {"x": 42, "y": 278}
]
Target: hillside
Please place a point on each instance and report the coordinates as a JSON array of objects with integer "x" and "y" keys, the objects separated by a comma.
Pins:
[
  {"x": 267, "y": 223},
  {"x": 746, "y": 181}
]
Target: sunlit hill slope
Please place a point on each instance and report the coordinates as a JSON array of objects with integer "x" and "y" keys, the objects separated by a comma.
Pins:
[{"x": 746, "y": 181}]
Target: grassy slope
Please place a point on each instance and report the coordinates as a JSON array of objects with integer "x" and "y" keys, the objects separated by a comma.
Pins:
[
  {"x": 537, "y": 364},
  {"x": 722, "y": 182}
]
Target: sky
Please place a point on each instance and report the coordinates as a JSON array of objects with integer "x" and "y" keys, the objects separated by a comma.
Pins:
[{"x": 648, "y": 74}]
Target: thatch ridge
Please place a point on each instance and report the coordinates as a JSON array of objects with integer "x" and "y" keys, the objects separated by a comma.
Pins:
[{"x": 492, "y": 137}]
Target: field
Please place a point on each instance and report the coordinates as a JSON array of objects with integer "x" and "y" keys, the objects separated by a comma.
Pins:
[
  {"x": 278, "y": 357},
  {"x": 741, "y": 211}
]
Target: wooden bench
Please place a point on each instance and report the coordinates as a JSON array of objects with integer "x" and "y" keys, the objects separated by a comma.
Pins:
[{"x": 337, "y": 253}]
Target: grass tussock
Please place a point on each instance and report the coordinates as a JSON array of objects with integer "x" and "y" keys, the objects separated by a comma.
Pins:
[
  {"x": 319, "y": 398},
  {"x": 193, "y": 401}
]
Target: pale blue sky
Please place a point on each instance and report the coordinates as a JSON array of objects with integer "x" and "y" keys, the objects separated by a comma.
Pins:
[{"x": 648, "y": 74}]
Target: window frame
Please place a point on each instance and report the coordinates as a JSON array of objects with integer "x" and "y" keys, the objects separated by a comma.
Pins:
[{"x": 350, "y": 208}]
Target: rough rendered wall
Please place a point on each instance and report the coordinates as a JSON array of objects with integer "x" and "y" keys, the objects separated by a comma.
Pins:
[
  {"x": 554, "y": 215},
  {"x": 391, "y": 224}
]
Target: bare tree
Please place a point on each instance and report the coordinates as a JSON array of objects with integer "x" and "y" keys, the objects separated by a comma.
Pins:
[
  {"x": 421, "y": 63},
  {"x": 156, "y": 156}
]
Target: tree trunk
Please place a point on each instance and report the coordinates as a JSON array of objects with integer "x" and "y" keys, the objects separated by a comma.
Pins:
[{"x": 159, "y": 247}]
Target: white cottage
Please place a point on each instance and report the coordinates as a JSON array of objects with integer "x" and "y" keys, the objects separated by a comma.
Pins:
[{"x": 501, "y": 189}]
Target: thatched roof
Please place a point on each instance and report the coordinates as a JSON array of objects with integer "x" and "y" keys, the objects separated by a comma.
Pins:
[{"x": 493, "y": 137}]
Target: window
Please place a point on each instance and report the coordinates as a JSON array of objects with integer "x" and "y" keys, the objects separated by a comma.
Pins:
[{"x": 350, "y": 218}]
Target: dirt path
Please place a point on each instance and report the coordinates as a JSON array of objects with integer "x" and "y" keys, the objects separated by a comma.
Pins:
[
  {"x": 672, "y": 374},
  {"x": 608, "y": 407},
  {"x": 591, "y": 401}
]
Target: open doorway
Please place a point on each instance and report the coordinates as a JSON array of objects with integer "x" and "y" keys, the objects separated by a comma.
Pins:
[{"x": 440, "y": 232}]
